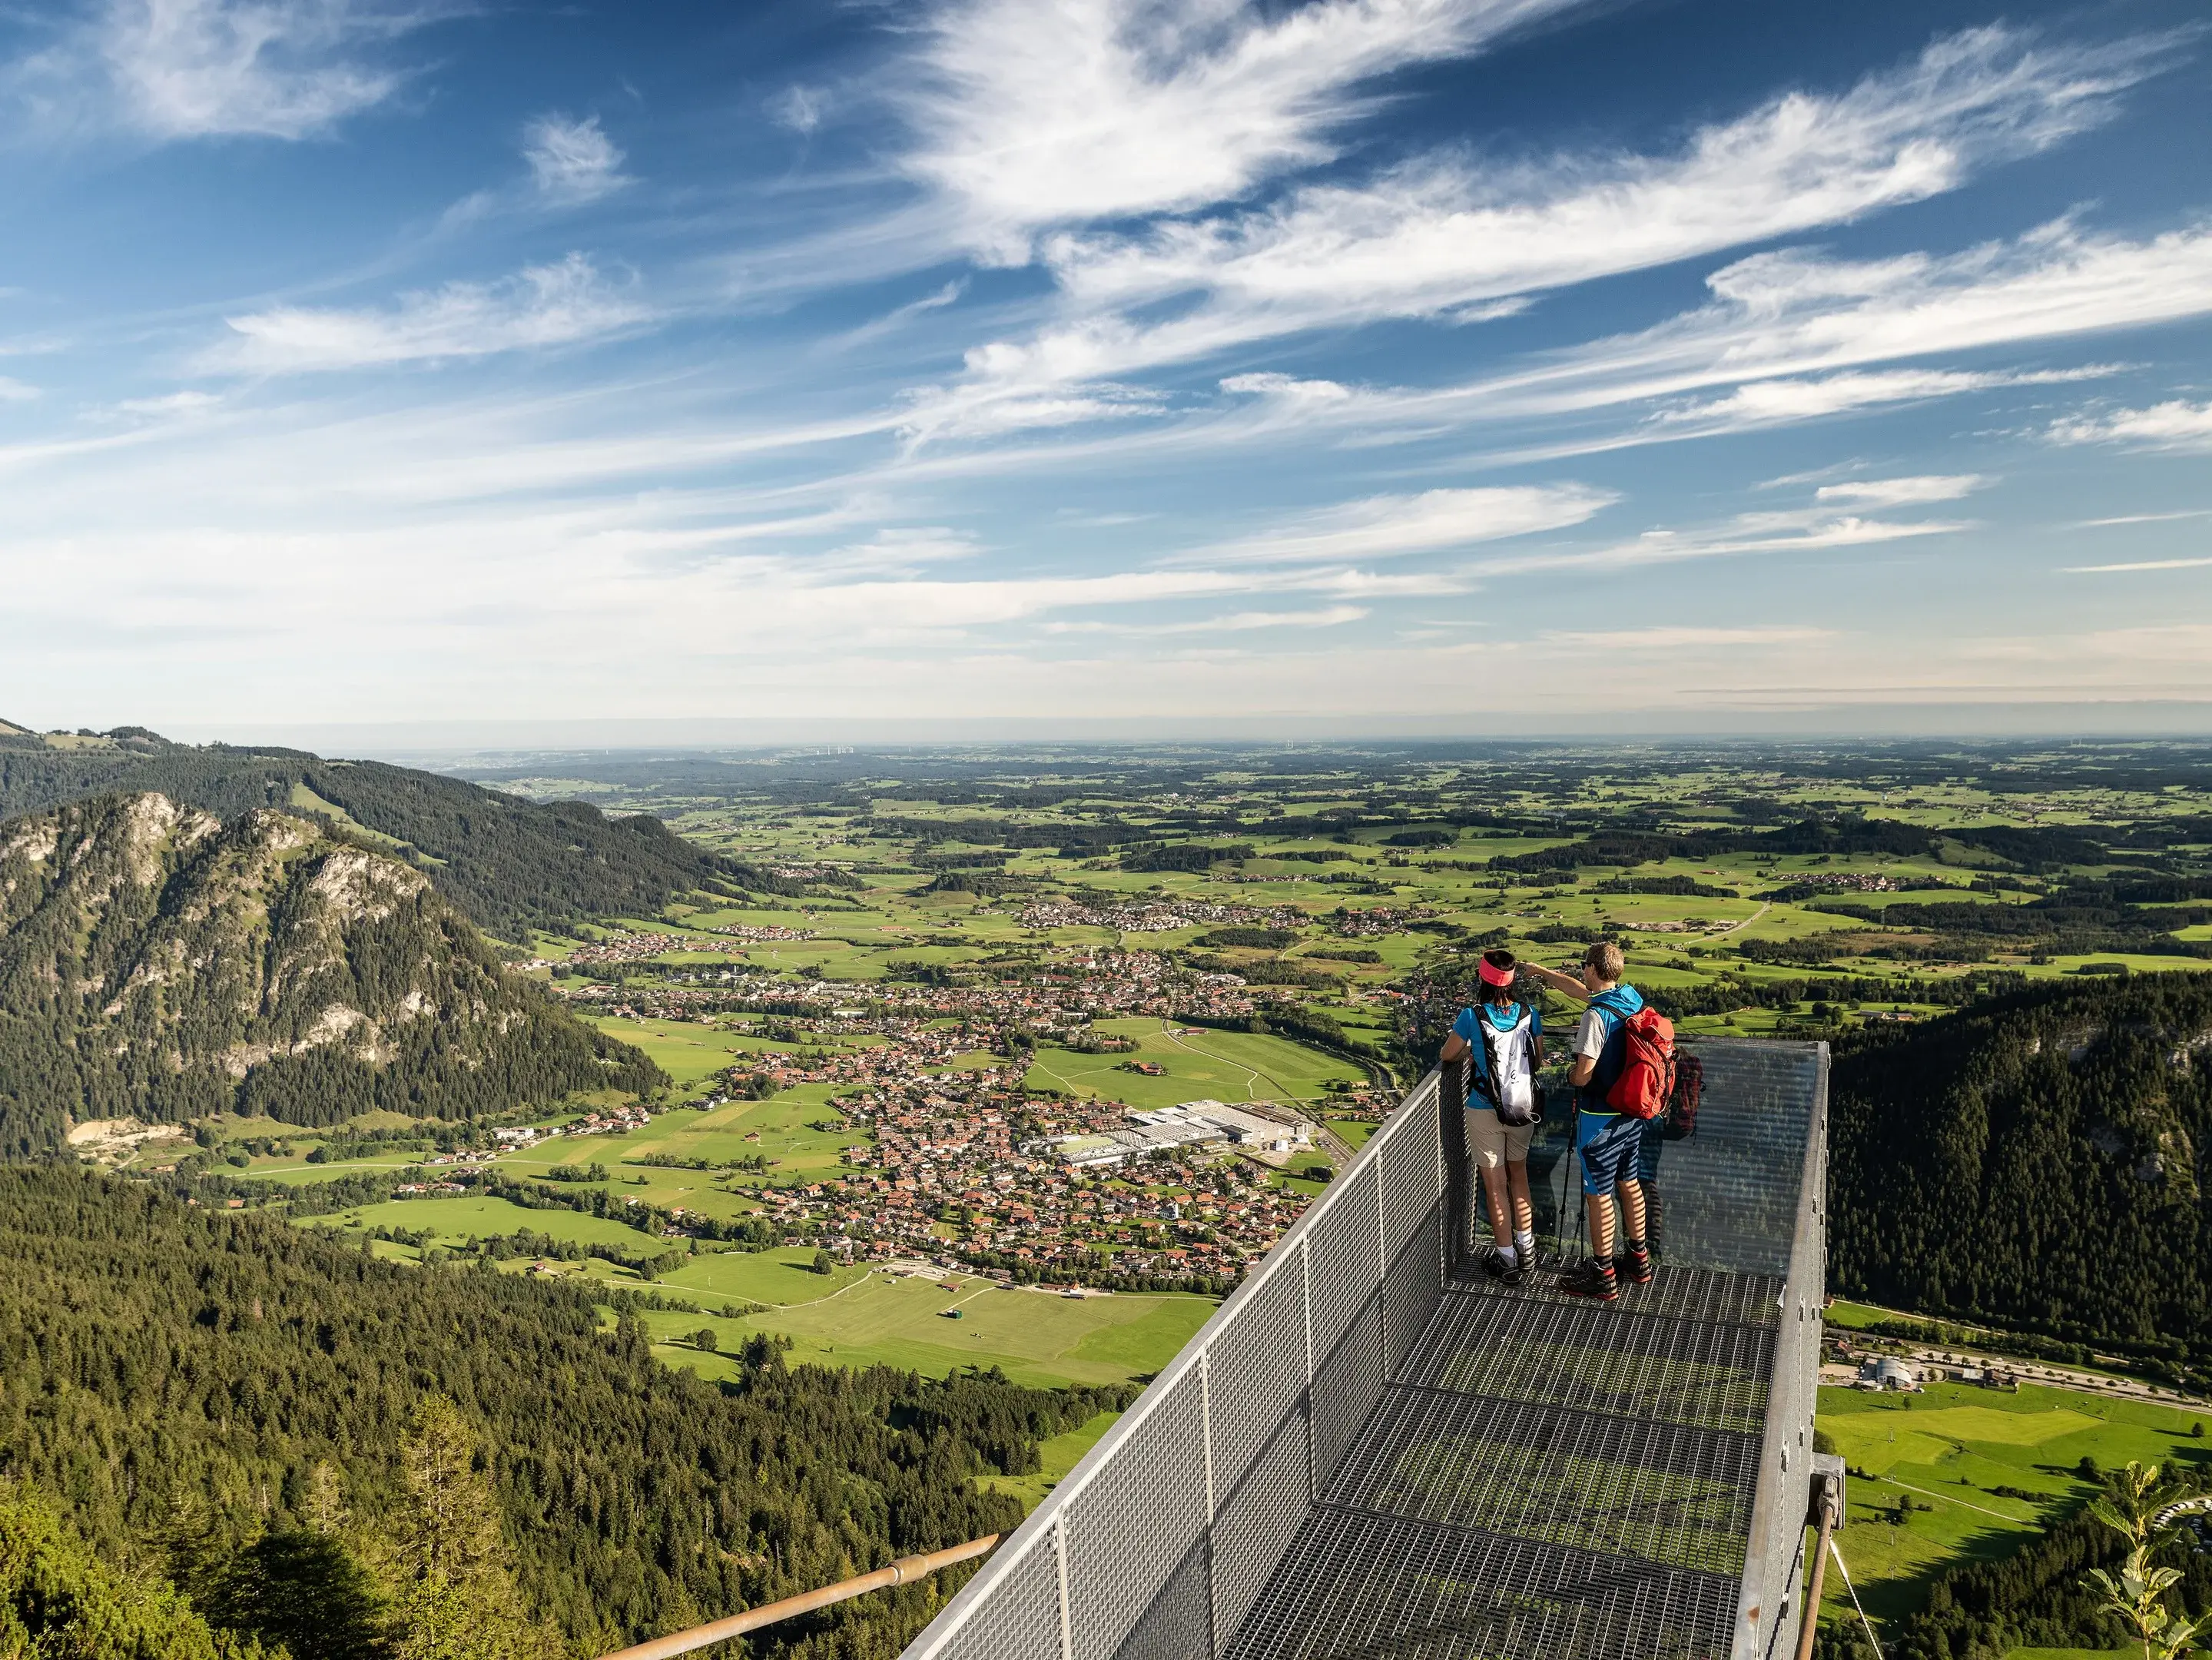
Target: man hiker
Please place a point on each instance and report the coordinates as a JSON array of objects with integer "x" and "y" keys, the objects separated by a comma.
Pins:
[
  {"x": 1607, "y": 1140},
  {"x": 1504, "y": 1039}
]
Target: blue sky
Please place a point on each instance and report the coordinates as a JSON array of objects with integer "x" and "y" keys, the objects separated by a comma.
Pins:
[{"x": 1488, "y": 365}]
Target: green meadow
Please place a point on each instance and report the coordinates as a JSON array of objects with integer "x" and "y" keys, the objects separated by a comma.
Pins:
[
  {"x": 1056, "y": 1458},
  {"x": 1201, "y": 1064},
  {"x": 1947, "y": 1449},
  {"x": 453, "y": 1221},
  {"x": 1036, "y": 1337}
]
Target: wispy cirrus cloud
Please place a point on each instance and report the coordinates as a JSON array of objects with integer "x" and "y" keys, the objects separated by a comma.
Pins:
[
  {"x": 1779, "y": 402},
  {"x": 2138, "y": 564},
  {"x": 1877, "y": 493},
  {"x": 1822, "y": 527},
  {"x": 1387, "y": 526},
  {"x": 2176, "y": 425},
  {"x": 572, "y": 160},
  {"x": 1040, "y": 112},
  {"x": 1674, "y": 638},
  {"x": 180, "y": 70},
  {"x": 1797, "y": 313},
  {"x": 1442, "y": 238},
  {"x": 555, "y": 305}
]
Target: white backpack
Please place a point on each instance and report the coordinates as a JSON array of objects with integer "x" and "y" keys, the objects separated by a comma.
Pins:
[{"x": 1508, "y": 1080}]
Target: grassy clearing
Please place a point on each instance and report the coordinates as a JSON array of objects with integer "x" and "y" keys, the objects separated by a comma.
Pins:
[
  {"x": 688, "y": 1051},
  {"x": 1949, "y": 1450},
  {"x": 1221, "y": 1066},
  {"x": 783, "y": 1276},
  {"x": 455, "y": 1221},
  {"x": 1056, "y": 1458},
  {"x": 1036, "y": 1338}
]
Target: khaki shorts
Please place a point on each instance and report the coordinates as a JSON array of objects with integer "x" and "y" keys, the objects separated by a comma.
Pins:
[{"x": 1490, "y": 1144}]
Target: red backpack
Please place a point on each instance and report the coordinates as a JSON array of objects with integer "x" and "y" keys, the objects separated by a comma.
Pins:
[{"x": 1646, "y": 1083}]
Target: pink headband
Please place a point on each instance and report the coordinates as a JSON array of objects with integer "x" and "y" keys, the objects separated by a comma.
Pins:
[{"x": 1491, "y": 976}]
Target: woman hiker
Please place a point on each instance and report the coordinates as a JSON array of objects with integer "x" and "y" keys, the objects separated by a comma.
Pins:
[{"x": 1505, "y": 1039}]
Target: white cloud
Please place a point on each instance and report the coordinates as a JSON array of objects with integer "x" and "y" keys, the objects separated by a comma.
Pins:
[
  {"x": 1771, "y": 403},
  {"x": 13, "y": 390},
  {"x": 572, "y": 160},
  {"x": 276, "y": 68},
  {"x": 1241, "y": 622},
  {"x": 1665, "y": 639},
  {"x": 545, "y": 306},
  {"x": 1817, "y": 529},
  {"x": 1052, "y": 112},
  {"x": 899, "y": 316},
  {"x": 897, "y": 551},
  {"x": 2144, "y": 518},
  {"x": 1902, "y": 492},
  {"x": 800, "y": 108},
  {"x": 1443, "y": 238},
  {"x": 1385, "y": 527},
  {"x": 1794, "y": 313},
  {"x": 2173, "y": 425},
  {"x": 2138, "y": 564}
]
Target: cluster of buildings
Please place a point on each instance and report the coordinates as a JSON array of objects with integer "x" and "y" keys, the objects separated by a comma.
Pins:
[
  {"x": 1373, "y": 922},
  {"x": 968, "y": 1169},
  {"x": 1068, "y": 991},
  {"x": 1201, "y": 1127},
  {"x": 1846, "y": 881},
  {"x": 1141, "y": 916}
]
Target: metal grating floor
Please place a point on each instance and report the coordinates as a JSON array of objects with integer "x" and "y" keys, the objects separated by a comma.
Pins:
[{"x": 1543, "y": 1478}]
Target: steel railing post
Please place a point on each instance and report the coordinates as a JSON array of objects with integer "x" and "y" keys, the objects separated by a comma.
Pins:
[
  {"x": 1305, "y": 1289},
  {"x": 1205, "y": 1435},
  {"x": 1060, "y": 1563}
]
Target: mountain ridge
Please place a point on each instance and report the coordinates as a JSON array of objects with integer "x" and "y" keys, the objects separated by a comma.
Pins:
[
  {"x": 510, "y": 864},
  {"x": 158, "y": 963}
]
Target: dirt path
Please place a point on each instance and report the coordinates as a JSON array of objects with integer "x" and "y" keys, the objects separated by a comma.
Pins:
[
  {"x": 1764, "y": 908},
  {"x": 2016, "y": 1521},
  {"x": 1251, "y": 1076}
]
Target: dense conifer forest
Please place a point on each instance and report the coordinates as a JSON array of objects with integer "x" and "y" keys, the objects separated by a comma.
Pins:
[
  {"x": 2035, "y": 1160},
  {"x": 156, "y": 963},
  {"x": 205, "y": 1393}
]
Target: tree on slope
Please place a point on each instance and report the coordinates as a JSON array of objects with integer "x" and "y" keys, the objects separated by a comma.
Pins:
[{"x": 453, "y": 1591}]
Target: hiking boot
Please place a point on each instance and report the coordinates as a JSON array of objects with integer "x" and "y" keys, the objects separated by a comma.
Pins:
[
  {"x": 1506, "y": 1273},
  {"x": 1593, "y": 1279},
  {"x": 1638, "y": 1264}
]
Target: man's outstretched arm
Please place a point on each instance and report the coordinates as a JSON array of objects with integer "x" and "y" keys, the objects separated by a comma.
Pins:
[{"x": 1565, "y": 984}]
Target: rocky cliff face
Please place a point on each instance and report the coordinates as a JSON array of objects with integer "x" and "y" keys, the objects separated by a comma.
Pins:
[{"x": 158, "y": 963}]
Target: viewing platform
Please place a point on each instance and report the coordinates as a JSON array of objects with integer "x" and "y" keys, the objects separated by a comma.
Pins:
[{"x": 1374, "y": 1449}]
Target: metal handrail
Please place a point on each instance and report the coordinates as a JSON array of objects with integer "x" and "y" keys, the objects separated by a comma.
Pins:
[{"x": 721, "y": 1631}]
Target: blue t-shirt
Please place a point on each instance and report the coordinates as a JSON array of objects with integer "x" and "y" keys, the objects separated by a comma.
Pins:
[
  {"x": 1503, "y": 1020},
  {"x": 1498, "y": 1020}
]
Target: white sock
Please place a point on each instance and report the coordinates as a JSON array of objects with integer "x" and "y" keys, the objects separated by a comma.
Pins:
[
  {"x": 1504, "y": 1254},
  {"x": 1527, "y": 1242}
]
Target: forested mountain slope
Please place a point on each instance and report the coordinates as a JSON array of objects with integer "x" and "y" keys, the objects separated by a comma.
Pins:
[
  {"x": 156, "y": 963},
  {"x": 508, "y": 863},
  {"x": 178, "y": 1373},
  {"x": 2037, "y": 1160}
]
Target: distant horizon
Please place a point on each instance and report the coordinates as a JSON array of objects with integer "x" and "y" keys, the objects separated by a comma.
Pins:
[{"x": 462, "y": 737}]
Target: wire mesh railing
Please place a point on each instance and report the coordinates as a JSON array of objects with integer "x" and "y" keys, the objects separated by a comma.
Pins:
[
  {"x": 1633, "y": 1470},
  {"x": 1159, "y": 1541}
]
